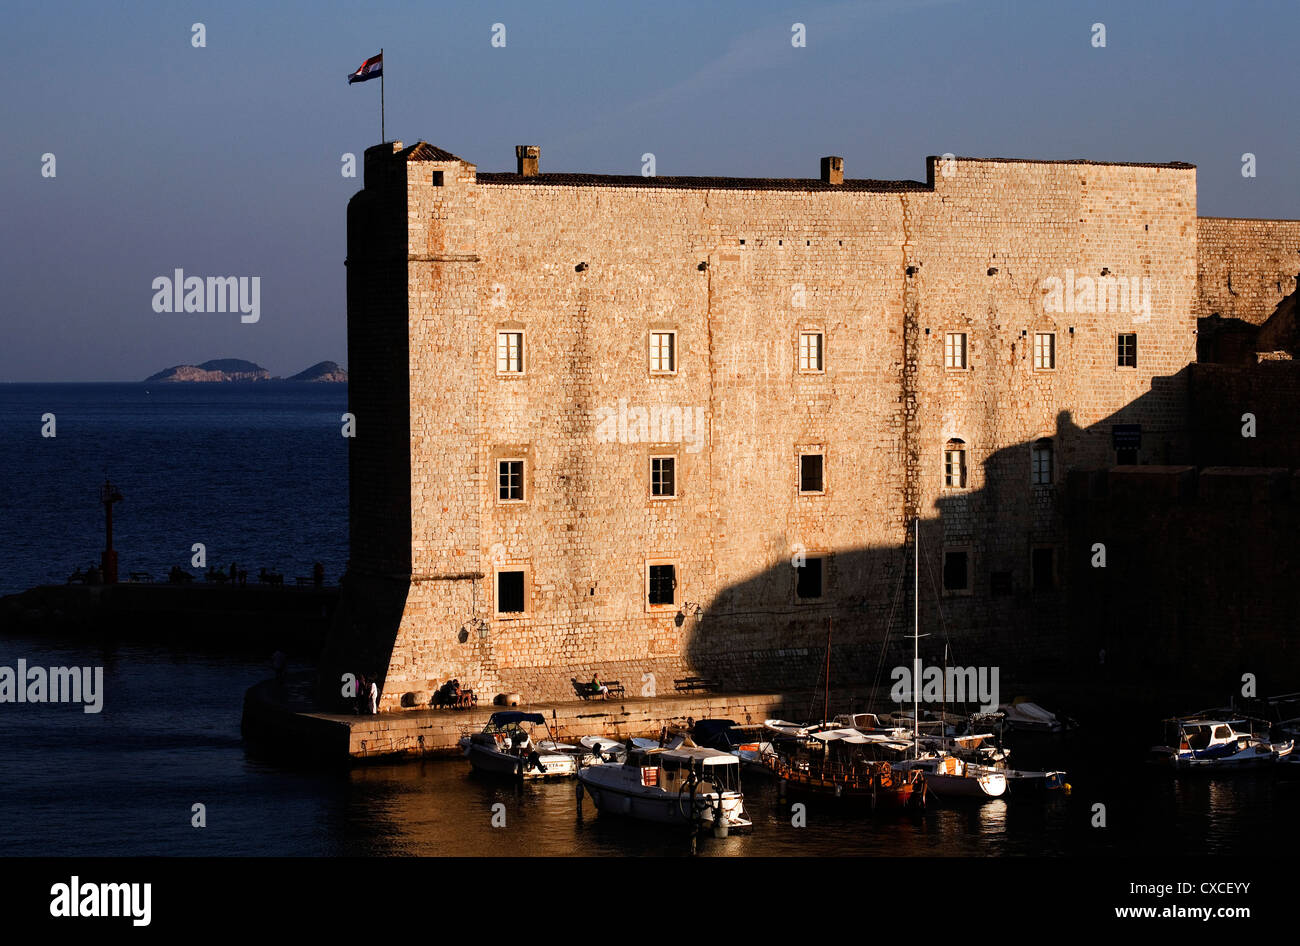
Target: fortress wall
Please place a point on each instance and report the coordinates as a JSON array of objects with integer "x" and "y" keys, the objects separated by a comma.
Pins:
[
  {"x": 1245, "y": 267},
  {"x": 484, "y": 256}
]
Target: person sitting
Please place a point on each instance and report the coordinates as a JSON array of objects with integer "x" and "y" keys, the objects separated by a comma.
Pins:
[{"x": 598, "y": 688}]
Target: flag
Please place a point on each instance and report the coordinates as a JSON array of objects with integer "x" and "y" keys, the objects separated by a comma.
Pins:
[{"x": 372, "y": 68}]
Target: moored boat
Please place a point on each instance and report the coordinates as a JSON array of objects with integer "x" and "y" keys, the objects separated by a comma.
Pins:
[
  {"x": 506, "y": 747},
  {"x": 951, "y": 778},
  {"x": 836, "y": 764},
  {"x": 1209, "y": 743},
  {"x": 688, "y": 785}
]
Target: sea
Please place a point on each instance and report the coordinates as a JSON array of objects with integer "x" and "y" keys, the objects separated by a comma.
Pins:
[{"x": 257, "y": 474}]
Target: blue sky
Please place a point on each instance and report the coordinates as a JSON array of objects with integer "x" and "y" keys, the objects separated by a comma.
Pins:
[{"x": 225, "y": 160}]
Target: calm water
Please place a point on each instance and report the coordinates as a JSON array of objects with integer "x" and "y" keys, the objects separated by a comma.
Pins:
[{"x": 259, "y": 475}]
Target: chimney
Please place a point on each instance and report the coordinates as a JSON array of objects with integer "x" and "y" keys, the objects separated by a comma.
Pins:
[
  {"x": 528, "y": 156},
  {"x": 833, "y": 170}
]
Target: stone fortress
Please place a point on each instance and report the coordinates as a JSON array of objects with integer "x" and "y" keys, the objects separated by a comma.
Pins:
[{"x": 651, "y": 427}]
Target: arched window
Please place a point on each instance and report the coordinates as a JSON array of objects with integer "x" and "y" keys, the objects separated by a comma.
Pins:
[
  {"x": 1044, "y": 466},
  {"x": 954, "y": 464}
]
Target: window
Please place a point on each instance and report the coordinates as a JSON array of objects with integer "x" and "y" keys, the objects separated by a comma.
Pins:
[
  {"x": 1127, "y": 350},
  {"x": 1042, "y": 463},
  {"x": 510, "y": 591},
  {"x": 956, "y": 570},
  {"x": 808, "y": 579},
  {"x": 954, "y": 464},
  {"x": 510, "y": 352},
  {"x": 954, "y": 350},
  {"x": 811, "y": 479},
  {"x": 663, "y": 352},
  {"x": 510, "y": 481},
  {"x": 661, "y": 585},
  {"x": 663, "y": 477},
  {"x": 1043, "y": 566},
  {"x": 1044, "y": 351},
  {"x": 811, "y": 345}
]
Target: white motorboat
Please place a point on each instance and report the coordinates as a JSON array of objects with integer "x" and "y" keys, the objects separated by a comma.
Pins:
[
  {"x": 601, "y": 749},
  {"x": 1022, "y": 784},
  {"x": 950, "y": 777},
  {"x": 506, "y": 747},
  {"x": 1203, "y": 743},
  {"x": 686, "y": 785}
]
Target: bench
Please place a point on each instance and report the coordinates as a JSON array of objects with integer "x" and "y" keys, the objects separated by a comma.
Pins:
[
  {"x": 693, "y": 684},
  {"x": 586, "y": 691},
  {"x": 142, "y": 577}
]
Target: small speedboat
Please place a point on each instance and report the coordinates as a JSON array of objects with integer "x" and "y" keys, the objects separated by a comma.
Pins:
[
  {"x": 1222, "y": 744},
  {"x": 685, "y": 785},
  {"x": 726, "y": 735},
  {"x": 506, "y": 747},
  {"x": 1022, "y": 784}
]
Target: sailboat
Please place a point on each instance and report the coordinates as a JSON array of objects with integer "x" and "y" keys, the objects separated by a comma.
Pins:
[{"x": 947, "y": 775}]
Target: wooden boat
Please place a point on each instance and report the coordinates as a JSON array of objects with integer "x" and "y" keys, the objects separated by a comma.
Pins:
[
  {"x": 833, "y": 764},
  {"x": 688, "y": 785}
]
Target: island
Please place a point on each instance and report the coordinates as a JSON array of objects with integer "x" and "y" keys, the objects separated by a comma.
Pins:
[{"x": 236, "y": 369}]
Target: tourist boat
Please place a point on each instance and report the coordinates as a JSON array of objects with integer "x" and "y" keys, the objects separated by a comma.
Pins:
[
  {"x": 1213, "y": 743},
  {"x": 506, "y": 747},
  {"x": 838, "y": 764},
  {"x": 949, "y": 777},
  {"x": 688, "y": 785}
]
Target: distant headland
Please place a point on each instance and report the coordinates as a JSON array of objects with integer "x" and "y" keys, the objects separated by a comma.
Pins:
[{"x": 236, "y": 369}]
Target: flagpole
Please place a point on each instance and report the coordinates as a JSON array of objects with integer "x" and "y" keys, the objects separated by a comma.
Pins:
[{"x": 382, "y": 136}]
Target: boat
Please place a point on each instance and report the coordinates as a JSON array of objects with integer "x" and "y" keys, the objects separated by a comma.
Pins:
[
  {"x": 839, "y": 764},
  {"x": 1204, "y": 742},
  {"x": 726, "y": 735},
  {"x": 506, "y": 747},
  {"x": 688, "y": 785},
  {"x": 1028, "y": 717},
  {"x": 602, "y": 749},
  {"x": 949, "y": 777}
]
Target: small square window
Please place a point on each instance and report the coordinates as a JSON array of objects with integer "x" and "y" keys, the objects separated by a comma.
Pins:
[
  {"x": 510, "y": 481},
  {"x": 1044, "y": 568},
  {"x": 811, "y": 478},
  {"x": 663, "y": 352},
  {"x": 954, "y": 350},
  {"x": 811, "y": 346},
  {"x": 510, "y": 352},
  {"x": 661, "y": 585},
  {"x": 1126, "y": 354},
  {"x": 1044, "y": 351},
  {"x": 956, "y": 571},
  {"x": 808, "y": 579},
  {"x": 510, "y": 591},
  {"x": 436, "y": 179},
  {"x": 663, "y": 477}
]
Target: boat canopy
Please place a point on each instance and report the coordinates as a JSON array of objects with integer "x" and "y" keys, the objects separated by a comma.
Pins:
[
  {"x": 844, "y": 735},
  {"x": 514, "y": 716}
]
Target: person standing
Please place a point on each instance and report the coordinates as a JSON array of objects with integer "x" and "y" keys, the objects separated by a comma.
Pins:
[
  {"x": 374, "y": 697},
  {"x": 363, "y": 691}
]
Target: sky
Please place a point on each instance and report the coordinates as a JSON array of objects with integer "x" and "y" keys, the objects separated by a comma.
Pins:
[{"x": 226, "y": 159}]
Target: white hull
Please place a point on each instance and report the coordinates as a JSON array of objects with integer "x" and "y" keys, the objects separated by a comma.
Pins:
[
  {"x": 494, "y": 762},
  {"x": 989, "y": 785},
  {"x": 613, "y": 795}
]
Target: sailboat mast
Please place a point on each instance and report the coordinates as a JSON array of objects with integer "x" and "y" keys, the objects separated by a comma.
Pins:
[
  {"x": 826, "y": 695},
  {"x": 916, "y": 638}
]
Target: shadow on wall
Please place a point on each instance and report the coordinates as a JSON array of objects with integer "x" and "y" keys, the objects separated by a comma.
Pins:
[{"x": 1009, "y": 578}]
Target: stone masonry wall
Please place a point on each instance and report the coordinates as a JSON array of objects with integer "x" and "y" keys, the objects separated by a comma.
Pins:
[
  {"x": 1245, "y": 267},
  {"x": 588, "y": 270}
]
